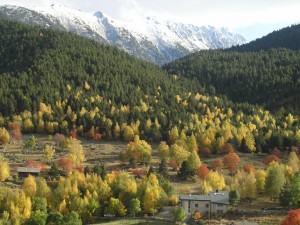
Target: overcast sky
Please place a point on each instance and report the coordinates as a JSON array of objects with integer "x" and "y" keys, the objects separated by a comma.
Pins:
[{"x": 251, "y": 18}]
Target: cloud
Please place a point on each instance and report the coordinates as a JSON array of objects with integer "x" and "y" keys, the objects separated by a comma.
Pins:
[{"x": 231, "y": 13}]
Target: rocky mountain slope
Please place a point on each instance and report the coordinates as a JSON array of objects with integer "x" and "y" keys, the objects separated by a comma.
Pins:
[{"x": 150, "y": 39}]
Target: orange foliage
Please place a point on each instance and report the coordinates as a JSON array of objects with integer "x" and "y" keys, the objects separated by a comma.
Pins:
[
  {"x": 197, "y": 216},
  {"x": 276, "y": 151},
  {"x": 227, "y": 148},
  {"x": 203, "y": 171},
  {"x": 33, "y": 164},
  {"x": 80, "y": 169},
  {"x": 205, "y": 151},
  {"x": 249, "y": 168},
  {"x": 231, "y": 161},
  {"x": 14, "y": 131},
  {"x": 66, "y": 164},
  {"x": 97, "y": 137},
  {"x": 217, "y": 164},
  {"x": 139, "y": 171},
  {"x": 293, "y": 218},
  {"x": 92, "y": 135},
  {"x": 173, "y": 163},
  {"x": 270, "y": 158},
  {"x": 73, "y": 134}
]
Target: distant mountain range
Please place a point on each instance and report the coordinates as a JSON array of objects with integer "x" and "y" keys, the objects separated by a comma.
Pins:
[{"x": 150, "y": 39}]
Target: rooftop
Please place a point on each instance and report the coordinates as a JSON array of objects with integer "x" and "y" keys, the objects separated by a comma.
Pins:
[
  {"x": 218, "y": 197},
  {"x": 28, "y": 170}
]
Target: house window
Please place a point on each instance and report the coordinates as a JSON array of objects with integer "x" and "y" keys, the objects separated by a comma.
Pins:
[
  {"x": 207, "y": 205},
  {"x": 220, "y": 205},
  {"x": 189, "y": 208},
  {"x": 196, "y": 205},
  {"x": 219, "y": 211}
]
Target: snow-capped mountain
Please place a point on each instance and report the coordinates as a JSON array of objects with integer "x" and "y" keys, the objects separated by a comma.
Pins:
[{"x": 150, "y": 38}]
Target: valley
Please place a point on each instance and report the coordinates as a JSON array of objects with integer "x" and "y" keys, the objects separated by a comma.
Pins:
[{"x": 108, "y": 136}]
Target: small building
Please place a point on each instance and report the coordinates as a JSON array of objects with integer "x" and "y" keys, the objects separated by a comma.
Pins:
[
  {"x": 24, "y": 172},
  {"x": 216, "y": 202}
]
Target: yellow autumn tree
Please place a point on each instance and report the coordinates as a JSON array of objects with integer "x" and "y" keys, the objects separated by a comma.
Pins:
[
  {"x": 4, "y": 136},
  {"x": 151, "y": 194},
  {"x": 75, "y": 151},
  {"x": 128, "y": 133},
  {"x": 43, "y": 190},
  {"x": 178, "y": 153},
  {"x": 163, "y": 150},
  {"x": 4, "y": 171},
  {"x": 49, "y": 152},
  {"x": 139, "y": 150},
  {"x": 215, "y": 181},
  {"x": 173, "y": 135},
  {"x": 194, "y": 161},
  {"x": 260, "y": 176},
  {"x": 29, "y": 186},
  {"x": 247, "y": 185},
  {"x": 27, "y": 208},
  {"x": 293, "y": 161},
  {"x": 117, "y": 131}
]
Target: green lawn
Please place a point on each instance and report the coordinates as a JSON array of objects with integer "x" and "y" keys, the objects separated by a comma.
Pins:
[{"x": 129, "y": 221}]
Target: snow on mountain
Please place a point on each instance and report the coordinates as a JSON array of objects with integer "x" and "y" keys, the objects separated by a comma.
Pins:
[{"x": 150, "y": 38}]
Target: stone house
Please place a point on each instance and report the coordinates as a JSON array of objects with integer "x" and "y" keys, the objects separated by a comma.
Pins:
[{"x": 216, "y": 202}]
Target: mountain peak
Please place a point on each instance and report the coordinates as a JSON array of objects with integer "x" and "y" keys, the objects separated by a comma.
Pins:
[
  {"x": 150, "y": 38},
  {"x": 99, "y": 14}
]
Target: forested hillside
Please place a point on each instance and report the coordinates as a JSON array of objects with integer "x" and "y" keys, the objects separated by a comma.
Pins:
[
  {"x": 270, "y": 78},
  {"x": 288, "y": 37},
  {"x": 56, "y": 82}
]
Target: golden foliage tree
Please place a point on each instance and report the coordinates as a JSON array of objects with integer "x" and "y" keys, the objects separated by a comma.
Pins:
[
  {"x": 260, "y": 176},
  {"x": 4, "y": 136},
  {"x": 163, "y": 150},
  {"x": 49, "y": 152},
  {"x": 4, "y": 171},
  {"x": 139, "y": 150},
  {"x": 75, "y": 151},
  {"x": 29, "y": 186},
  {"x": 194, "y": 161}
]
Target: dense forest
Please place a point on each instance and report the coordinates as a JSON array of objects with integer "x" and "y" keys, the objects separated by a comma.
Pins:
[
  {"x": 270, "y": 78},
  {"x": 264, "y": 71},
  {"x": 57, "y": 82}
]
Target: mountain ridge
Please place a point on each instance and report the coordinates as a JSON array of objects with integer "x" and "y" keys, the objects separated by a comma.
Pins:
[
  {"x": 287, "y": 37},
  {"x": 149, "y": 39}
]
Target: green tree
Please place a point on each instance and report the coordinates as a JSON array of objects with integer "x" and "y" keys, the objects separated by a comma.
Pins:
[
  {"x": 36, "y": 218},
  {"x": 178, "y": 214},
  {"x": 135, "y": 206},
  {"x": 55, "y": 218},
  {"x": 290, "y": 194},
  {"x": 163, "y": 168},
  {"x": 30, "y": 142},
  {"x": 184, "y": 171},
  {"x": 72, "y": 218},
  {"x": 100, "y": 170},
  {"x": 274, "y": 181},
  {"x": 234, "y": 197},
  {"x": 115, "y": 207},
  {"x": 39, "y": 203}
]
